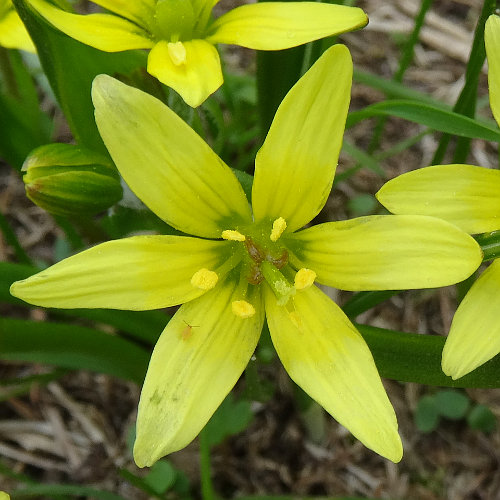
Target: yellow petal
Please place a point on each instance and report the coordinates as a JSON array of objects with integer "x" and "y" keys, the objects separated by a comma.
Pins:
[
  {"x": 13, "y": 34},
  {"x": 464, "y": 195},
  {"x": 492, "y": 42},
  {"x": 137, "y": 273},
  {"x": 325, "y": 355},
  {"x": 281, "y": 25},
  {"x": 474, "y": 336},
  {"x": 391, "y": 252},
  {"x": 166, "y": 163},
  {"x": 139, "y": 11},
  {"x": 196, "y": 78},
  {"x": 295, "y": 167},
  {"x": 103, "y": 31},
  {"x": 196, "y": 362}
]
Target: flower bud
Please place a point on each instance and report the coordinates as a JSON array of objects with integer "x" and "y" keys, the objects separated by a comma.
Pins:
[{"x": 65, "y": 179}]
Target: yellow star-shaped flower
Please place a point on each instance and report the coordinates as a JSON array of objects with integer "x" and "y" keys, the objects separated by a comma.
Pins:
[
  {"x": 469, "y": 197},
  {"x": 13, "y": 34},
  {"x": 181, "y": 33},
  {"x": 245, "y": 262}
]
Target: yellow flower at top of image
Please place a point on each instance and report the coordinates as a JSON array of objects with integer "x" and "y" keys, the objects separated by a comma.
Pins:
[
  {"x": 13, "y": 34},
  {"x": 246, "y": 261},
  {"x": 181, "y": 33},
  {"x": 469, "y": 197}
]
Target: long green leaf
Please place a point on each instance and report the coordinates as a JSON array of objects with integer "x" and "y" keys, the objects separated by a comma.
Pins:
[
  {"x": 396, "y": 90},
  {"x": 436, "y": 118},
  {"x": 409, "y": 357},
  {"x": 72, "y": 346}
]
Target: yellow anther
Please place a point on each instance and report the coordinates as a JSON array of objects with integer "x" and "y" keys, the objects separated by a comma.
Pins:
[
  {"x": 204, "y": 279},
  {"x": 177, "y": 53},
  {"x": 243, "y": 309},
  {"x": 230, "y": 234},
  {"x": 279, "y": 225},
  {"x": 304, "y": 278}
]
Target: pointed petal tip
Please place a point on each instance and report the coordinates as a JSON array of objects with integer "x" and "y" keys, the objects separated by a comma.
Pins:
[
  {"x": 450, "y": 368},
  {"x": 395, "y": 453},
  {"x": 14, "y": 289},
  {"x": 143, "y": 456}
]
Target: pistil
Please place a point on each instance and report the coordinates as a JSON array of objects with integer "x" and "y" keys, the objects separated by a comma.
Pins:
[{"x": 278, "y": 283}]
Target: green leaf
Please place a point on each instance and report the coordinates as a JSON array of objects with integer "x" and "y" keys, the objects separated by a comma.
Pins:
[
  {"x": 452, "y": 404},
  {"x": 409, "y": 357},
  {"x": 72, "y": 346},
  {"x": 396, "y": 90},
  {"x": 427, "y": 415},
  {"x": 230, "y": 418},
  {"x": 161, "y": 477},
  {"x": 482, "y": 418},
  {"x": 431, "y": 116},
  {"x": 70, "y": 67}
]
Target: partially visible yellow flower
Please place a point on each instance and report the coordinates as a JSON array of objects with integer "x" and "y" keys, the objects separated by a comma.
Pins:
[
  {"x": 181, "y": 33},
  {"x": 246, "y": 263},
  {"x": 4, "y": 496},
  {"x": 469, "y": 197},
  {"x": 13, "y": 34}
]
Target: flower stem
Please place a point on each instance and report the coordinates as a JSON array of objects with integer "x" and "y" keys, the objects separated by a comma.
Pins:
[
  {"x": 490, "y": 244},
  {"x": 207, "y": 489}
]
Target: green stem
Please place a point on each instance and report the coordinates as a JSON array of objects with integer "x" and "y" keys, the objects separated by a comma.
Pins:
[
  {"x": 207, "y": 488},
  {"x": 490, "y": 245},
  {"x": 12, "y": 240},
  {"x": 465, "y": 104}
]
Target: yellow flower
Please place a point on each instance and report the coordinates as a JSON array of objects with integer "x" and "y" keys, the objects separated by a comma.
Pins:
[
  {"x": 13, "y": 34},
  {"x": 469, "y": 197},
  {"x": 246, "y": 263},
  {"x": 181, "y": 34},
  {"x": 4, "y": 496}
]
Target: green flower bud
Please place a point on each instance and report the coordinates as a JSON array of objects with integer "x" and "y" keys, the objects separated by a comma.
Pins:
[{"x": 71, "y": 180}]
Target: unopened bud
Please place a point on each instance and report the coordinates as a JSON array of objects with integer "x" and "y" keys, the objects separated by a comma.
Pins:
[{"x": 65, "y": 179}]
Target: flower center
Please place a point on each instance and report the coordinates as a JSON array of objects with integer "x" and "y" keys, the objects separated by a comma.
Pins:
[
  {"x": 265, "y": 258},
  {"x": 174, "y": 20}
]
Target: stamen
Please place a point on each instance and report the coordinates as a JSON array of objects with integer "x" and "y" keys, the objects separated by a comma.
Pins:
[
  {"x": 242, "y": 309},
  {"x": 177, "y": 53},
  {"x": 279, "y": 225},
  {"x": 304, "y": 278},
  {"x": 204, "y": 279},
  {"x": 230, "y": 234}
]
